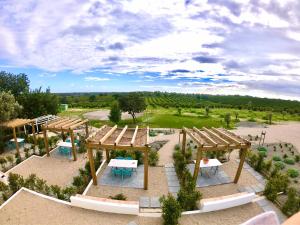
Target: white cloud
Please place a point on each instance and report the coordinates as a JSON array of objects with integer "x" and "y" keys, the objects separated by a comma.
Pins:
[{"x": 96, "y": 79}]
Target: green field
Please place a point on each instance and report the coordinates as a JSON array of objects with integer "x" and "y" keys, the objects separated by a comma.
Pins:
[{"x": 169, "y": 118}]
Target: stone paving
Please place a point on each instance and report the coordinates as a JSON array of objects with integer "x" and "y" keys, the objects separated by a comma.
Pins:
[
  {"x": 208, "y": 176},
  {"x": 136, "y": 180},
  {"x": 267, "y": 205},
  {"x": 260, "y": 179},
  {"x": 149, "y": 202}
]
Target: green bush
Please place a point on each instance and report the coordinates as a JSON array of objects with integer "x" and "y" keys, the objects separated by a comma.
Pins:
[
  {"x": 171, "y": 210},
  {"x": 262, "y": 149},
  {"x": 279, "y": 165},
  {"x": 289, "y": 161},
  {"x": 153, "y": 157},
  {"x": 278, "y": 183},
  {"x": 118, "y": 197},
  {"x": 293, "y": 173},
  {"x": 292, "y": 204},
  {"x": 276, "y": 158},
  {"x": 262, "y": 153},
  {"x": 297, "y": 158}
]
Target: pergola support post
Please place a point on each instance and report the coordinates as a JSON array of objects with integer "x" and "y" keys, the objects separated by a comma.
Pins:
[
  {"x": 183, "y": 141},
  {"x": 86, "y": 130},
  {"x": 197, "y": 165},
  {"x": 240, "y": 167},
  {"x": 146, "y": 169},
  {"x": 46, "y": 142},
  {"x": 33, "y": 135},
  {"x": 16, "y": 142},
  {"x": 107, "y": 155},
  {"x": 73, "y": 145},
  {"x": 92, "y": 165}
]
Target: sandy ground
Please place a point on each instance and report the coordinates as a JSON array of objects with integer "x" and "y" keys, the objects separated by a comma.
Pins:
[
  {"x": 54, "y": 169},
  {"x": 27, "y": 208},
  {"x": 283, "y": 132},
  {"x": 157, "y": 187},
  {"x": 166, "y": 152},
  {"x": 103, "y": 115}
]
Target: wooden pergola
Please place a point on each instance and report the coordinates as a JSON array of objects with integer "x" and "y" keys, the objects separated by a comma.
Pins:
[
  {"x": 64, "y": 125},
  {"x": 16, "y": 124},
  {"x": 215, "y": 139},
  {"x": 114, "y": 138}
]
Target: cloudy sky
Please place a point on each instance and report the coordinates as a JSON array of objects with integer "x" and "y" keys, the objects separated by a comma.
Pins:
[{"x": 246, "y": 47}]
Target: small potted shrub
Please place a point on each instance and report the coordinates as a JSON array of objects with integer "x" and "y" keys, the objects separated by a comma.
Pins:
[
  {"x": 292, "y": 173},
  {"x": 289, "y": 161}
]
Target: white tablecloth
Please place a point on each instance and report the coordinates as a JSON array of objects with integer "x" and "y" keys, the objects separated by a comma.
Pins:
[
  {"x": 65, "y": 144},
  {"x": 211, "y": 163},
  {"x": 18, "y": 140},
  {"x": 123, "y": 163}
]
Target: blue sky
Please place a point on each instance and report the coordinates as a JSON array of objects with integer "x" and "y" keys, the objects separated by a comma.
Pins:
[{"x": 247, "y": 47}]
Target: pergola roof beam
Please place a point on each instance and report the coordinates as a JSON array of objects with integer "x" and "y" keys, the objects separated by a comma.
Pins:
[
  {"x": 120, "y": 135},
  {"x": 205, "y": 136},
  {"x": 60, "y": 125},
  {"x": 94, "y": 134},
  {"x": 71, "y": 123},
  {"x": 215, "y": 135},
  {"x": 193, "y": 137},
  {"x": 134, "y": 136},
  {"x": 224, "y": 135},
  {"x": 78, "y": 124},
  {"x": 55, "y": 122},
  {"x": 107, "y": 135}
]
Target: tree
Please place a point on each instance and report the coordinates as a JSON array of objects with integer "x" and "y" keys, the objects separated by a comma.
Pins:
[
  {"x": 115, "y": 113},
  {"x": 132, "y": 103},
  {"x": 283, "y": 114},
  {"x": 207, "y": 110},
  {"x": 236, "y": 113},
  {"x": 9, "y": 107},
  {"x": 227, "y": 119},
  {"x": 269, "y": 117},
  {"x": 92, "y": 98},
  {"x": 38, "y": 103},
  {"x": 16, "y": 84},
  {"x": 179, "y": 111}
]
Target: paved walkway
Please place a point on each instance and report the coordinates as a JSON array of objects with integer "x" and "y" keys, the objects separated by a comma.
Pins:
[{"x": 166, "y": 152}]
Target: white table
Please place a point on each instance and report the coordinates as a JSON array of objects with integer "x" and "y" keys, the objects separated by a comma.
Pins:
[
  {"x": 65, "y": 144},
  {"x": 123, "y": 163},
  {"x": 213, "y": 163},
  {"x": 19, "y": 140}
]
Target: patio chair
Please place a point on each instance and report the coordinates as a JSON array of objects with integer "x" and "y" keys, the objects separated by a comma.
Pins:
[
  {"x": 128, "y": 158},
  {"x": 117, "y": 172},
  {"x": 119, "y": 157},
  {"x": 127, "y": 172}
]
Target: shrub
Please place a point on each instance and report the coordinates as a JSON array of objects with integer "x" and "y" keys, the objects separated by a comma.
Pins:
[
  {"x": 292, "y": 173},
  {"x": 297, "y": 158},
  {"x": 259, "y": 164},
  {"x": 289, "y": 161},
  {"x": 262, "y": 149},
  {"x": 171, "y": 210},
  {"x": 153, "y": 157},
  {"x": 276, "y": 158},
  {"x": 285, "y": 156},
  {"x": 188, "y": 196},
  {"x": 279, "y": 165},
  {"x": 292, "y": 204},
  {"x": 278, "y": 183},
  {"x": 262, "y": 153},
  {"x": 267, "y": 165},
  {"x": 118, "y": 197}
]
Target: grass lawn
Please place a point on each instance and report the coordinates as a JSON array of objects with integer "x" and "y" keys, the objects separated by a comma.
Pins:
[{"x": 168, "y": 117}]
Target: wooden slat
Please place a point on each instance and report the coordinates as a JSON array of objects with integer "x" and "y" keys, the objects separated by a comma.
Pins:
[
  {"x": 60, "y": 125},
  {"x": 78, "y": 124},
  {"x": 226, "y": 136},
  {"x": 94, "y": 134},
  {"x": 71, "y": 123},
  {"x": 107, "y": 135},
  {"x": 205, "y": 136},
  {"x": 134, "y": 136},
  {"x": 216, "y": 136},
  {"x": 120, "y": 135},
  {"x": 193, "y": 137},
  {"x": 52, "y": 125}
]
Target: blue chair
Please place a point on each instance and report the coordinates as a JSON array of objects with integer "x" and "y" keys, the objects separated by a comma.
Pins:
[
  {"x": 119, "y": 157},
  {"x": 117, "y": 172},
  {"x": 127, "y": 172},
  {"x": 128, "y": 158}
]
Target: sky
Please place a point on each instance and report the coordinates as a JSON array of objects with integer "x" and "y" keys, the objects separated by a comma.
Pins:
[{"x": 245, "y": 47}]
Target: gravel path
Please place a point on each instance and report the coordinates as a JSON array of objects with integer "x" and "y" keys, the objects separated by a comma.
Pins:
[{"x": 103, "y": 115}]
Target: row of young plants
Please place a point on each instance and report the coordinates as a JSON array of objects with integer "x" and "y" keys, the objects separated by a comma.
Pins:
[
  {"x": 278, "y": 183},
  {"x": 187, "y": 197},
  {"x": 32, "y": 182}
]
